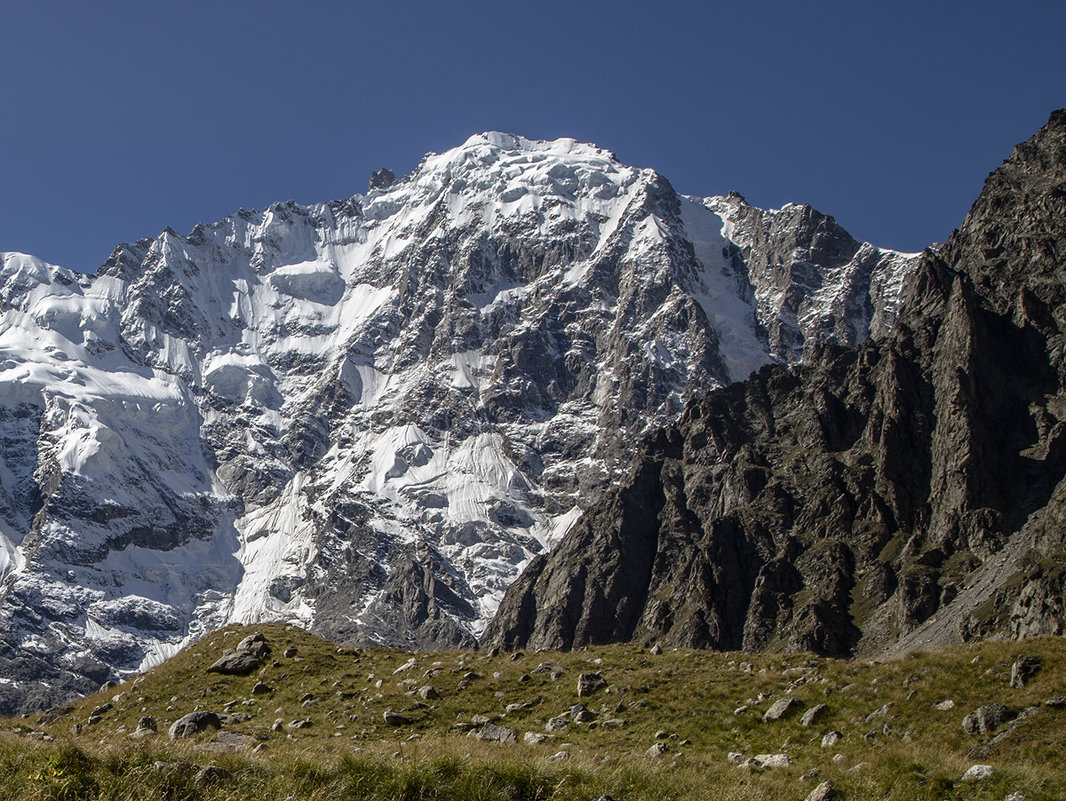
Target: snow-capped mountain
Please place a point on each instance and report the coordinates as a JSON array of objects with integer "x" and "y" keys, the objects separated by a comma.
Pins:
[{"x": 367, "y": 416}]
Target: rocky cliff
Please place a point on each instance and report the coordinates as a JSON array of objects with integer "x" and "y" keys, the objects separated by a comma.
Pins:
[{"x": 906, "y": 493}]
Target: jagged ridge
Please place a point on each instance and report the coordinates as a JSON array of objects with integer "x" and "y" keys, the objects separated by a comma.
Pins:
[{"x": 906, "y": 493}]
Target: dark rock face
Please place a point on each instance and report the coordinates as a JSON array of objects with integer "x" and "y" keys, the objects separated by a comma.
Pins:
[
  {"x": 382, "y": 178},
  {"x": 906, "y": 493}
]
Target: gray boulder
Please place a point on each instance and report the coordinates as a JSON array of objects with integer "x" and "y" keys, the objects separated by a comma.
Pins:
[
  {"x": 812, "y": 714},
  {"x": 781, "y": 708},
  {"x": 192, "y": 724},
  {"x": 986, "y": 719},
  {"x": 1023, "y": 669},
  {"x": 496, "y": 734},
  {"x": 588, "y": 683}
]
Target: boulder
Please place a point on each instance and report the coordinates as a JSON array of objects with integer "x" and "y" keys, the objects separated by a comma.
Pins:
[
  {"x": 588, "y": 683},
  {"x": 986, "y": 719},
  {"x": 557, "y": 723},
  {"x": 771, "y": 760},
  {"x": 781, "y": 708},
  {"x": 656, "y": 750},
  {"x": 395, "y": 718},
  {"x": 823, "y": 792},
  {"x": 975, "y": 772},
  {"x": 193, "y": 723},
  {"x": 1023, "y": 669},
  {"x": 812, "y": 714},
  {"x": 496, "y": 734},
  {"x": 831, "y": 739}
]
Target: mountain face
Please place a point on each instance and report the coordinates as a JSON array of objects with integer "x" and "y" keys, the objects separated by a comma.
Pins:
[
  {"x": 906, "y": 493},
  {"x": 367, "y": 416}
]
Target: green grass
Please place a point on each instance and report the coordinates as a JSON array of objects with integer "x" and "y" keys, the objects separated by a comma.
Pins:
[{"x": 688, "y": 698}]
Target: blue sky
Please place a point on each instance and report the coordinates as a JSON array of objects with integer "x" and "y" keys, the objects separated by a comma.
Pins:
[{"x": 120, "y": 118}]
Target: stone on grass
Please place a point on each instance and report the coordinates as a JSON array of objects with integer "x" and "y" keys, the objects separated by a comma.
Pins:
[
  {"x": 771, "y": 760},
  {"x": 831, "y": 739},
  {"x": 395, "y": 718},
  {"x": 261, "y": 688},
  {"x": 557, "y": 723},
  {"x": 193, "y": 723},
  {"x": 975, "y": 772},
  {"x": 561, "y": 756},
  {"x": 781, "y": 708},
  {"x": 945, "y": 705},
  {"x": 427, "y": 693},
  {"x": 823, "y": 792},
  {"x": 736, "y": 758},
  {"x": 813, "y": 714},
  {"x": 238, "y": 741},
  {"x": 880, "y": 712},
  {"x": 211, "y": 775},
  {"x": 534, "y": 738},
  {"x": 656, "y": 750},
  {"x": 1056, "y": 702},
  {"x": 588, "y": 683},
  {"x": 1023, "y": 669},
  {"x": 986, "y": 719},
  {"x": 496, "y": 734}
]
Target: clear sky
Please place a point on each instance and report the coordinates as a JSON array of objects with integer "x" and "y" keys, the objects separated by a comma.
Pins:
[{"x": 118, "y": 119}]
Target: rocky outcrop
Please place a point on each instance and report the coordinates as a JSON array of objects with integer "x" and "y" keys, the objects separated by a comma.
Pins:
[{"x": 906, "y": 493}]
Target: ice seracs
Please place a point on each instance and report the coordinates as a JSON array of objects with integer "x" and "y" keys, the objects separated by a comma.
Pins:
[{"x": 366, "y": 416}]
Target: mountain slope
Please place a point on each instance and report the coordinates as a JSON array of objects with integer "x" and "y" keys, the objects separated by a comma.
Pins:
[
  {"x": 903, "y": 494},
  {"x": 366, "y": 416}
]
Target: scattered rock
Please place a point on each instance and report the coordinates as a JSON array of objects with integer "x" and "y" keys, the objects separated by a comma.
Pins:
[
  {"x": 975, "y": 772},
  {"x": 613, "y": 723},
  {"x": 656, "y": 750},
  {"x": 395, "y": 718},
  {"x": 428, "y": 693},
  {"x": 99, "y": 710},
  {"x": 496, "y": 734},
  {"x": 193, "y": 723},
  {"x": 302, "y": 723},
  {"x": 781, "y": 708},
  {"x": 736, "y": 758},
  {"x": 588, "y": 683},
  {"x": 740, "y": 710},
  {"x": 146, "y": 723},
  {"x": 211, "y": 775},
  {"x": 823, "y": 792},
  {"x": 945, "y": 705},
  {"x": 1014, "y": 797},
  {"x": 655, "y": 650},
  {"x": 534, "y": 738},
  {"x": 557, "y": 723},
  {"x": 238, "y": 741},
  {"x": 812, "y": 714},
  {"x": 290, "y": 652},
  {"x": 561, "y": 756},
  {"x": 261, "y": 688},
  {"x": 880, "y": 712},
  {"x": 1057, "y": 702},
  {"x": 986, "y": 719},
  {"x": 831, "y": 739},
  {"x": 771, "y": 760},
  {"x": 548, "y": 667},
  {"x": 581, "y": 715},
  {"x": 1023, "y": 669}
]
